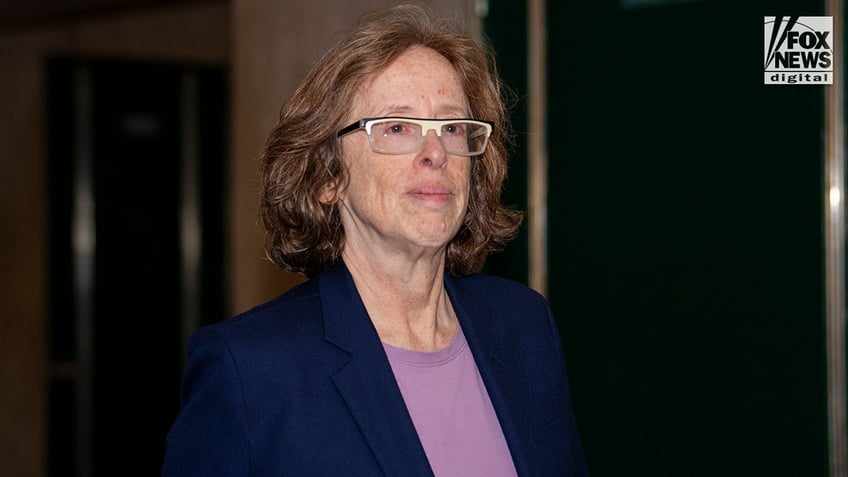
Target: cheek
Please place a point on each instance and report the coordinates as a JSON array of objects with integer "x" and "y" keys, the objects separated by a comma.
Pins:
[
  {"x": 464, "y": 177},
  {"x": 355, "y": 167},
  {"x": 371, "y": 182}
]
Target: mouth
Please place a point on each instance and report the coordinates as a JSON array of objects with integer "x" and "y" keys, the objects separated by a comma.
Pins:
[{"x": 431, "y": 193}]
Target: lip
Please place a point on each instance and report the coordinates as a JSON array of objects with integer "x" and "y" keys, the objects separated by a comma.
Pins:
[{"x": 430, "y": 193}]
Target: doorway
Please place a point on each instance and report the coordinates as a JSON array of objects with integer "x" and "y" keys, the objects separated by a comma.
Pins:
[{"x": 136, "y": 199}]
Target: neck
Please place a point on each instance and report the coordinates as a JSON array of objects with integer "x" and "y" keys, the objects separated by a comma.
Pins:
[{"x": 405, "y": 298}]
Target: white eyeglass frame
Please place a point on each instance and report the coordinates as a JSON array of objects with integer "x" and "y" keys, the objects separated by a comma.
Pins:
[{"x": 426, "y": 125}]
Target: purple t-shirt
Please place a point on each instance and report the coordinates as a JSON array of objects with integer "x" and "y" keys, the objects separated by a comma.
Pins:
[{"x": 451, "y": 410}]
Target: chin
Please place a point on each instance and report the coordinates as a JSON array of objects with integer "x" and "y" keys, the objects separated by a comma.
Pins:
[{"x": 435, "y": 240}]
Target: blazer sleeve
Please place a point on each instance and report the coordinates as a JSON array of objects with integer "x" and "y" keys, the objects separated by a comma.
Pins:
[
  {"x": 574, "y": 446},
  {"x": 210, "y": 435}
]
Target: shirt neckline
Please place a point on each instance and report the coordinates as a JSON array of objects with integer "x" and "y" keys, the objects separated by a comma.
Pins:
[{"x": 428, "y": 358}]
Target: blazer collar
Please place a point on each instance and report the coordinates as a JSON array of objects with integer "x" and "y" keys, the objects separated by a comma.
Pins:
[
  {"x": 492, "y": 344},
  {"x": 366, "y": 382},
  {"x": 369, "y": 389}
]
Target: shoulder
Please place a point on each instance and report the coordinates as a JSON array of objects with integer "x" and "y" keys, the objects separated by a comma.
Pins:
[
  {"x": 497, "y": 292},
  {"x": 294, "y": 314},
  {"x": 502, "y": 307},
  {"x": 495, "y": 305},
  {"x": 270, "y": 346}
]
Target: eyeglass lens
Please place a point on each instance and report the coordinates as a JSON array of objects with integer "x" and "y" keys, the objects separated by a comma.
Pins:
[{"x": 402, "y": 137}]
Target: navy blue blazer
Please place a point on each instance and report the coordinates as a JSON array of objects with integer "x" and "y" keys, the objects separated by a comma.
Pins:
[{"x": 301, "y": 386}]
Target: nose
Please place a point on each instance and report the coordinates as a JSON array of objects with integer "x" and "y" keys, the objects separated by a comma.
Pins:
[{"x": 432, "y": 152}]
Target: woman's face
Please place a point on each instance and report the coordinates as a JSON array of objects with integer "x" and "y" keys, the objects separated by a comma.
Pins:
[{"x": 410, "y": 203}]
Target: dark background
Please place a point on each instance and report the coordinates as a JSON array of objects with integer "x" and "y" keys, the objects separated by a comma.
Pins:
[
  {"x": 136, "y": 141},
  {"x": 685, "y": 235}
]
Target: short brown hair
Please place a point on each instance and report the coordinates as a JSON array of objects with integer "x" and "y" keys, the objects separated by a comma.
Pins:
[{"x": 302, "y": 156}]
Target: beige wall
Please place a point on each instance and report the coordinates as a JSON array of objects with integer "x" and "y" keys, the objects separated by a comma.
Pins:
[
  {"x": 22, "y": 290},
  {"x": 269, "y": 45}
]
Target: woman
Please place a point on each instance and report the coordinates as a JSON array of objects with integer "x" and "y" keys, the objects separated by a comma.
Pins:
[{"x": 381, "y": 182}]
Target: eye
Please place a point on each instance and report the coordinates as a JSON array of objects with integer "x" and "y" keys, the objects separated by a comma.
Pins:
[
  {"x": 454, "y": 129},
  {"x": 396, "y": 128}
]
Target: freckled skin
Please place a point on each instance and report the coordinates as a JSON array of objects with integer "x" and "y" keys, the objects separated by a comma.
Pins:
[{"x": 410, "y": 204}]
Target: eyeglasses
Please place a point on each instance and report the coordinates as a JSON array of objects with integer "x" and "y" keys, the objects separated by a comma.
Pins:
[{"x": 462, "y": 137}]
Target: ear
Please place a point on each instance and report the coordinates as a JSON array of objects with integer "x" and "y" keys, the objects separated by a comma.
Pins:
[
  {"x": 329, "y": 194},
  {"x": 333, "y": 190}
]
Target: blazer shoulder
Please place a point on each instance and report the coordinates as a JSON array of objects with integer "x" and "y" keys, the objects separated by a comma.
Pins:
[
  {"x": 297, "y": 308},
  {"x": 498, "y": 290}
]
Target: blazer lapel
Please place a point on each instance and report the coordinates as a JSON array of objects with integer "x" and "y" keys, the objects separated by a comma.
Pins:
[
  {"x": 366, "y": 382},
  {"x": 491, "y": 344}
]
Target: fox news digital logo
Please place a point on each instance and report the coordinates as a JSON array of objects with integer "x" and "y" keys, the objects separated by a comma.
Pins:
[{"x": 798, "y": 50}]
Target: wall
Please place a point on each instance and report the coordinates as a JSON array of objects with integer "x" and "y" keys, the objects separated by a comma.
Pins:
[{"x": 22, "y": 291}]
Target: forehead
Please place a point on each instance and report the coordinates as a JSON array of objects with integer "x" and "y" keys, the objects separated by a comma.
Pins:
[{"x": 420, "y": 82}]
